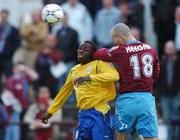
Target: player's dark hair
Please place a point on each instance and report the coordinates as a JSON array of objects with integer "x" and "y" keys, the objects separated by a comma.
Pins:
[{"x": 93, "y": 45}]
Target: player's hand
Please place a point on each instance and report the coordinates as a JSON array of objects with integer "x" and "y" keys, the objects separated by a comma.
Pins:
[
  {"x": 45, "y": 117},
  {"x": 81, "y": 80}
]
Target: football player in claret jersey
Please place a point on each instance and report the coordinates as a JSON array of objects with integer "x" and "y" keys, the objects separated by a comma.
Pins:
[
  {"x": 139, "y": 68},
  {"x": 93, "y": 82}
]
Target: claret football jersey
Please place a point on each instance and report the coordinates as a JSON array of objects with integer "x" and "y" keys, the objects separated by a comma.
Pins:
[{"x": 138, "y": 65}]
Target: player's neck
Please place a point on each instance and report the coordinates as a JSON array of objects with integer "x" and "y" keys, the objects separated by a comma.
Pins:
[
  {"x": 131, "y": 38},
  {"x": 85, "y": 62}
]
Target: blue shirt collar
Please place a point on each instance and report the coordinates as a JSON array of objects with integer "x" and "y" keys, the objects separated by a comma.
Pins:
[{"x": 133, "y": 41}]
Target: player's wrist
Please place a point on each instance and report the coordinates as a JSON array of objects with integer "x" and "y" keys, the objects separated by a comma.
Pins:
[{"x": 49, "y": 114}]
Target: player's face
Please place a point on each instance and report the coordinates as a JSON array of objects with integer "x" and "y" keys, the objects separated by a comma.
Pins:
[{"x": 85, "y": 53}]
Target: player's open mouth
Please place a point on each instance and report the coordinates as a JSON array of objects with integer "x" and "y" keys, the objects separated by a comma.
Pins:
[{"x": 80, "y": 55}]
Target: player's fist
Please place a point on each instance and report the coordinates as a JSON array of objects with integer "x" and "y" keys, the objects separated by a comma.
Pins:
[{"x": 45, "y": 117}]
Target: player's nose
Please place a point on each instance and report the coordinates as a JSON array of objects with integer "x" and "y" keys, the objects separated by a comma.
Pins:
[{"x": 80, "y": 51}]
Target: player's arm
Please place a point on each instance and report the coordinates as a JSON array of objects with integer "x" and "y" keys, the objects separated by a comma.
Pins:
[
  {"x": 106, "y": 73},
  {"x": 156, "y": 67},
  {"x": 60, "y": 99},
  {"x": 105, "y": 54},
  {"x": 62, "y": 96}
]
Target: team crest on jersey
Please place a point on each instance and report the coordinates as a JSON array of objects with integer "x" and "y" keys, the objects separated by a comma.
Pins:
[{"x": 89, "y": 69}]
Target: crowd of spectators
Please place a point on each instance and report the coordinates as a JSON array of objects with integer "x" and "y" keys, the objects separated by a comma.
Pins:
[{"x": 35, "y": 59}]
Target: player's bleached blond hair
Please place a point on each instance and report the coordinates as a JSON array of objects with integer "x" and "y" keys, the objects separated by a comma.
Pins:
[{"x": 121, "y": 30}]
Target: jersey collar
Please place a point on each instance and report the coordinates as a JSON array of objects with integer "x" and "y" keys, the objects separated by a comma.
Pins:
[{"x": 133, "y": 41}]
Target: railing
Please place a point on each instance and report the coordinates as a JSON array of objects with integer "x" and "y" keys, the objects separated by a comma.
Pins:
[{"x": 63, "y": 122}]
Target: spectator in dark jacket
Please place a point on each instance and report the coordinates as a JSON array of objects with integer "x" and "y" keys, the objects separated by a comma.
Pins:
[
  {"x": 47, "y": 57},
  {"x": 169, "y": 82},
  {"x": 128, "y": 15},
  {"x": 138, "y": 14},
  {"x": 163, "y": 17},
  {"x": 93, "y": 6},
  {"x": 9, "y": 42},
  {"x": 67, "y": 41}
]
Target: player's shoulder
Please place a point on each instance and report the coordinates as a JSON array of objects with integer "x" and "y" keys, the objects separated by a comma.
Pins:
[
  {"x": 94, "y": 62},
  {"x": 104, "y": 63},
  {"x": 144, "y": 46},
  {"x": 113, "y": 49},
  {"x": 151, "y": 50},
  {"x": 76, "y": 67},
  {"x": 101, "y": 62},
  {"x": 147, "y": 45},
  {"x": 150, "y": 47}
]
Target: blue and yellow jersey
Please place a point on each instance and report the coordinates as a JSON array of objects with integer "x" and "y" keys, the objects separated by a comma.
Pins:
[{"x": 95, "y": 93}]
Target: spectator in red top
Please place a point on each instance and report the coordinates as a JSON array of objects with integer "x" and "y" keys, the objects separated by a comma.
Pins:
[
  {"x": 46, "y": 58},
  {"x": 13, "y": 109},
  {"x": 18, "y": 83},
  {"x": 42, "y": 132}
]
